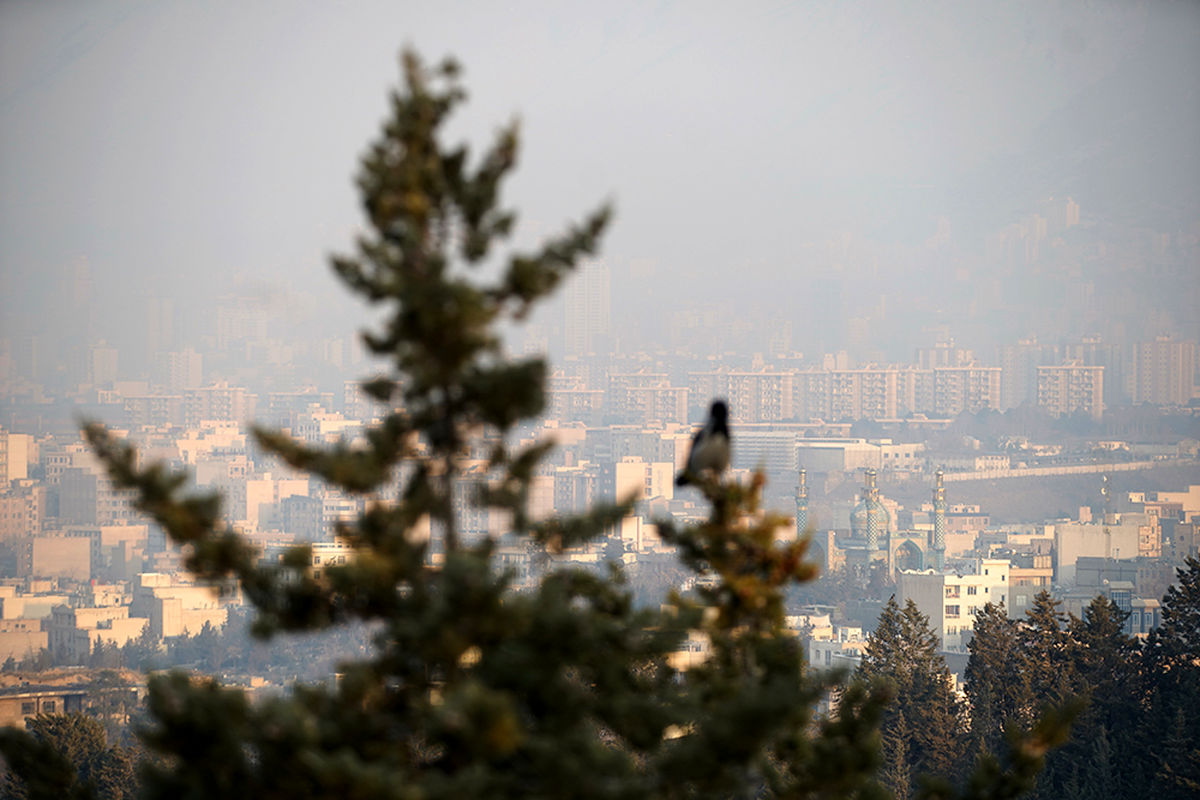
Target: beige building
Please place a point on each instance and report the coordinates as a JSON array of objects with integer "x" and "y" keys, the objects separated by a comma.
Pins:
[
  {"x": 753, "y": 395},
  {"x": 219, "y": 402},
  {"x": 971, "y": 389},
  {"x": 1120, "y": 536},
  {"x": 22, "y": 509},
  {"x": 643, "y": 397},
  {"x": 1164, "y": 371},
  {"x": 71, "y": 555},
  {"x": 643, "y": 479},
  {"x": 15, "y": 449},
  {"x": 1031, "y": 573},
  {"x": 22, "y": 638},
  {"x": 1070, "y": 388},
  {"x": 19, "y": 702},
  {"x": 842, "y": 648},
  {"x": 175, "y": 608},
  {"x": 74, "y": 632},
  {"x": 36, "y": 603}
]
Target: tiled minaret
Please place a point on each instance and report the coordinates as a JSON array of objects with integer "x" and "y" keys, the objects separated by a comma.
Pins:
[{"x": 938, "y": 555}]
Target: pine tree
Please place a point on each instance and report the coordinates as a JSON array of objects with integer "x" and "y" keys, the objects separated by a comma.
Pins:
[
  {"x": 1099, "y": 778},
  {"x": 1045, "y": 643},
  {"x": 1171, "y": 669},
  {"x": 474, "y": 689},
  {"x": 1104, "y": 662},
  {"x": 64, "y": 755},
  {"x": 997, "y": 681},
  {"x": 902, "y": 653},
  {"x": 897, "y": 775}
]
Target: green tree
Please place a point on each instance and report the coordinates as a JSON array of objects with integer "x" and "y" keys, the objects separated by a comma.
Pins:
[
  {"x": 65, "y": 756},
  {"x": 1104, "y": 662},
  {"x": 1045, "y": 644},
  {"x": 897, "y": 775},
  {"x": 1171, "y": 667},
  {"x": 473, "y": 689},
  {"x": 997, "y": 683},
  {"x": 1099, "y": 779},
  {"x": 902, "y": 653}
]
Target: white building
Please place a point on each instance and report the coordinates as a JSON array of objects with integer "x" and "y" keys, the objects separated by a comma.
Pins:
[
  {"x": 950, "y": 599},
  {"x": 843, "y": 649}
]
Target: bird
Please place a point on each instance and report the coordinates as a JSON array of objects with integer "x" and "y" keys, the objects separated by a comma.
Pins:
[{"x": 710, "y": 446}]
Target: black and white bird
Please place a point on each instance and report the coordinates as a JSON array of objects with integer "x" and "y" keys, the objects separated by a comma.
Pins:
[{"x": 710, "y": 446}]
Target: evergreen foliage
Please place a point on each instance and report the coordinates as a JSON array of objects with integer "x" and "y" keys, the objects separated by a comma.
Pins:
[
  {"x": 923, "y": 726},
  {"x": 997, "y": 685},
  {"x": 1171, "y": 669},
  {"x": 64, "y": 756},
  {"x": 1130, "y": 733}
]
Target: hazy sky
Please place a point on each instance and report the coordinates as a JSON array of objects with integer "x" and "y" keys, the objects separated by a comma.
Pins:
[{"x": 183, "y": 147}]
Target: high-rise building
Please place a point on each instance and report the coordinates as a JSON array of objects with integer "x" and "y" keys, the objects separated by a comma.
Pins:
[
  {"x": 1094, "y": 352},
  {"x": 1018, "y": 371},
  {"x": 102, "y": 366},
  {"x": 971, "y": 389},
  {"x": 587, "y": 324},
  {"x": 944, "y": 354},
  {"x": 1070, "y": 388},
  {"x": 218, "y": 402},
  {"x": 1164, "y": 371},
  {"x": 752, "y": 395}
]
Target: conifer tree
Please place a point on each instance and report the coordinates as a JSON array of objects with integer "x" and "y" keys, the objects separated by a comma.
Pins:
[
  {"x": 64, "y": 755},
  {"x": 1171, "y": 666},
  {"x": 1104, "y": 661},
  {"x": 1099, "y": 777},
  {"x": 997, "y": 683},
  {"x": 1045, "y": 643},
  {"x": 897, "y": 775},
  {"x": 902, "y": 652}
]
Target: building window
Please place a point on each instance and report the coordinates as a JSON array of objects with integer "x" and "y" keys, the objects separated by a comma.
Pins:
[
  {"x": 972, "y": 589},
  {"x": 28, "y": 708},
  {"x": 952, "y": 591},
  {"x": 48, "y": 707},
  {"x": 952, "y": 612}
]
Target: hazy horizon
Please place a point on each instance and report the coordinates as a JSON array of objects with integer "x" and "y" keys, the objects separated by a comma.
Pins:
[{"x": 845, "y": 168}]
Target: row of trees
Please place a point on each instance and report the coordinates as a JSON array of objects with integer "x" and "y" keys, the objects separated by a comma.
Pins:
[{"x": 1136, "y": 726}]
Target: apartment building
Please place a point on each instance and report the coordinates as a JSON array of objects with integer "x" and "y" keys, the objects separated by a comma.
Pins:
[
  {"x": 1071, "y": 388},
  {"x": 951, "y": 599},
  {"x": 1164, "y": 371}
]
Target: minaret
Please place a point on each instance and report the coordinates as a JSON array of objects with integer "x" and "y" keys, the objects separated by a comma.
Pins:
[
  {"x": 872, "y": 515},
  {"x": 802, "y": 504},
  {"x": 939, "y": 522}
]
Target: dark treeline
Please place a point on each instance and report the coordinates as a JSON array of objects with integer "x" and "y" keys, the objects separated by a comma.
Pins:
[{"x": 1138, "y": 728}]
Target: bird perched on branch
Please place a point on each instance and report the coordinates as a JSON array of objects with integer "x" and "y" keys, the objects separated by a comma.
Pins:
[{"x": 710, "y": 446}]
